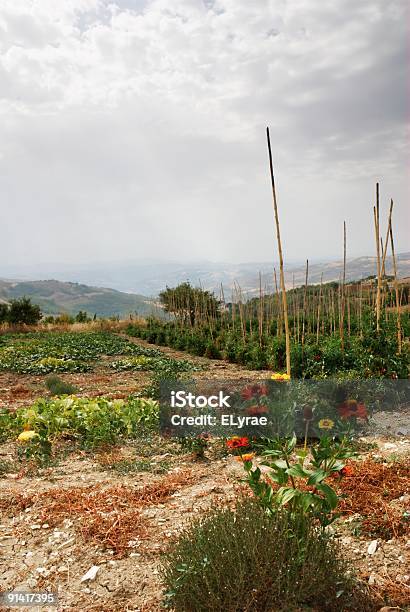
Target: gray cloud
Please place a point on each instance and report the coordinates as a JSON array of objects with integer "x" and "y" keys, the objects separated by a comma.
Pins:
[{"x": 137, "y": 129}]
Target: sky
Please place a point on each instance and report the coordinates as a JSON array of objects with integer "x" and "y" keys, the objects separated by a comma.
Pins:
[{"x": 135, "y": 129}]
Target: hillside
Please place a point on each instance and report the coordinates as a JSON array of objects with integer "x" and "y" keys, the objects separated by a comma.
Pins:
[{"x": 55, "y": 297}]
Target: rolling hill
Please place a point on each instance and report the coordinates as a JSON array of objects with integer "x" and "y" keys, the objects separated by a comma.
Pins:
[{"x": 56, "y": 297}]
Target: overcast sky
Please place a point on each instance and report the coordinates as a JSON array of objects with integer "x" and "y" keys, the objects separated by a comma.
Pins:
[{"x": 136, "y": 129}]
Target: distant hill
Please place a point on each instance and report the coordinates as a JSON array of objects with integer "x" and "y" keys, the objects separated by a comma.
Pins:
[
  {"x": 56, "y": 297},
  {"x": 150, "y": 277}
]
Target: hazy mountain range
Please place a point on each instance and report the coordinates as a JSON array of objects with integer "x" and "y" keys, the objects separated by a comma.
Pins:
[{"x": 121, "y": 288}]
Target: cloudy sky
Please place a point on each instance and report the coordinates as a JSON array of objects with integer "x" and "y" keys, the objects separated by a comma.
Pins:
[{"x": 136, "y": 128}]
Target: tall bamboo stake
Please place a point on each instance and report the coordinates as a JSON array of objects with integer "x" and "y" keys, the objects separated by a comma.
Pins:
[
  {"x": 342, "y": 297},
  {"x": 396, "y": 288},
  {"x": 376, "y": 213},
  {"x": 282, "y": 276},
  {"x": 304, "y": 303}
]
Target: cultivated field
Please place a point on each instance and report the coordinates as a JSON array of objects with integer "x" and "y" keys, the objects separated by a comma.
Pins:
[{"x": 95, "y": 486}]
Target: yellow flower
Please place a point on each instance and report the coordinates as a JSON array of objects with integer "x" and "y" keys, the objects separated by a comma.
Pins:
[
  {"x": 326, "y": 424},
  {"x": 280, "y": 377},
  {"x": 245, "y": 457},
  {"x": 25, "y": 436}
]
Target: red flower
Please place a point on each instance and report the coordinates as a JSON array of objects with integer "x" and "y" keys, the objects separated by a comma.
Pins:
[
  {"x": 237, "y": 442},
  {"x": 352, "y": 408},
  {"x": 256, "y": 410},
  {"x": 347, "y": 470},
  {"x": 254, "y": 391}
]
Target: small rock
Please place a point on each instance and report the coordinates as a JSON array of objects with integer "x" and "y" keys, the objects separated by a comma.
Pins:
[
  {"x": 372, "y": 579},
  {"x": 371, "y": 549},
  {"x": 91, "y": 574},
  {"x": 32, "y": 583}
]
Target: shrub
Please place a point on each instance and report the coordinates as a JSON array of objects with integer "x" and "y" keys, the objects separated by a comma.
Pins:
[
  {"x": 57, "y": 386},
  {"x": 4, "y": 311},
  {"x": 23, "y": 311},
  {"x": 246, "y": 560}
]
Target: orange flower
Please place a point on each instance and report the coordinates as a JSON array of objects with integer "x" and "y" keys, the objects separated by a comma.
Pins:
[
  {"x": 237, "y": 442},
  {"x": 257, "y": 409},
  {"x": 352, "y": 408},
  {"x": 347, "y": 470},
  {"x": 245, "y": 457},
  {"x": 254, "y": 391}
]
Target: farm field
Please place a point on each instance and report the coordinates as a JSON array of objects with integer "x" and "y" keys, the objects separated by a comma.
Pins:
[{"x": 111, "y": 494}]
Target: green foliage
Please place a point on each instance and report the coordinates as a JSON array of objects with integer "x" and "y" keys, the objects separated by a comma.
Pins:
[
  {"x": 4, "y": 310},
  {"x": 23, "y": 311},
  {"x": 184, "y": 301},
  {"x": 245, "y": 559},
  {"x": 155, "y": 364},
  {"x": 57, "y": 386},
  {"x": 44, "y": 352},
  {"x": 82, "y": 317},
  {"x": 196, "y": 445},
  {"x": 91, "y": 422},
  {"x": 302, "y": 488},
  {"x": 370, "y": 355}
]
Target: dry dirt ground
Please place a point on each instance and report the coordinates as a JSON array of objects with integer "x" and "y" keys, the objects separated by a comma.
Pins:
[{"x": 118, "y": 510}]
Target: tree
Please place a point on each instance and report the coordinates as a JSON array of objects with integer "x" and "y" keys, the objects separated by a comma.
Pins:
[
  {"x": 82, "y": 317},
  {"x": 189, "y": 303},
  {"x": 23, "y": 311},
  {"x": 4, "y": 310}
]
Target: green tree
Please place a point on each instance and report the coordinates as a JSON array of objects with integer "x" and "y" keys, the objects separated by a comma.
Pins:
[
  {"x": 23, "y": 311},
  {"x": 189, "y": 303},
  {"x": 4, "y": 310},
  {"x": 82, "y": 317}
]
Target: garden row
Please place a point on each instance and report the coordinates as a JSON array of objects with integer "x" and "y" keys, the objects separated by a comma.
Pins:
[
  {"x": 364, "y": 355},
  {"x": 45, "y": 352}
]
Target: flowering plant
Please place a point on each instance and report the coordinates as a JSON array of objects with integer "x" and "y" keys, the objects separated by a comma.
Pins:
[{"x": 297, "y": 485}]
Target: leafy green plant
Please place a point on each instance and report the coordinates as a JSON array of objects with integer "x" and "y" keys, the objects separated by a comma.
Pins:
[
  {"x": 91, "y": 422},
  {"x": 300, "y": 487},
  {"x": 196, "y": 445},
  {"x": 246, "y": 559}
]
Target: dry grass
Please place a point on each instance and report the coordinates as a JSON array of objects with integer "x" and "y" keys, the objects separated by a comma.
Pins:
[
  {"x": 99, "y": 325},
  {"x": 370, "y": 493},
  {"x": 110, "y": 517}
]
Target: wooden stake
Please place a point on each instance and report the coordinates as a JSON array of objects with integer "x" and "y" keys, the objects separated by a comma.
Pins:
[{"x": 282, "y": 276}]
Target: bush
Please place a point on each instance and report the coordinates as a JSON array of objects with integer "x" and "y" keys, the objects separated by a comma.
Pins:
[
  {"x": 245, "y": 560},
  {"x": 23, "y": 311},
  {"x": 57, "y": 386},
  {"x": 4, "y": 311}
]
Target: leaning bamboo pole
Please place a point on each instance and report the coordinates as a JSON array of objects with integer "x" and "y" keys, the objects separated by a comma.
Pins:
[{"x": 282, "y": 276}]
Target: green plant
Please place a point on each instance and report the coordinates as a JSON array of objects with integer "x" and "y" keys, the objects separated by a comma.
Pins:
[
  {"x": 92, "y": 422},
  {"x": 196, "y": 445},
  {"x": 246, "y": 559},
  {"x": 57, "y": 386},
  {"x": 23, "y": 311},
  {"x": 301, "y": 488}
]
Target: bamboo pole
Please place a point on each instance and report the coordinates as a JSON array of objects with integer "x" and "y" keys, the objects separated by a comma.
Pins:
[
  {"x": 342, "y": 295},
  {"x": 282, "y": 276},
  {"x": 396, "y": 288},
  {"x": 376, "y": 212}
]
